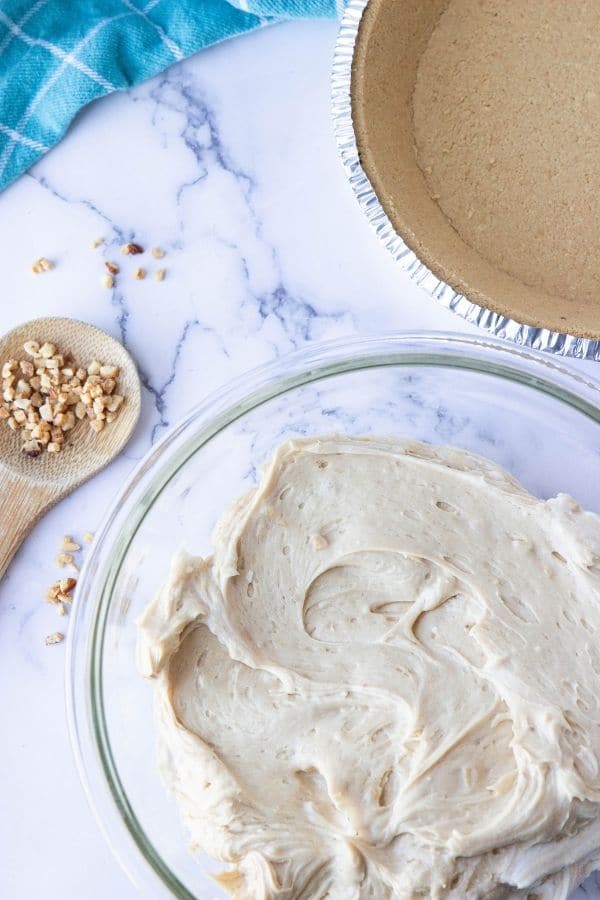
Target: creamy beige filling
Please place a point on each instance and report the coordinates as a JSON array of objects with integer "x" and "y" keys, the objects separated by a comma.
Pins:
[{"x": 385, "y": 681}]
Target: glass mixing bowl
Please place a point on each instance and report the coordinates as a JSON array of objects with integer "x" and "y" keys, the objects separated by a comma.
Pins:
[{"x": 538, "y": 420}]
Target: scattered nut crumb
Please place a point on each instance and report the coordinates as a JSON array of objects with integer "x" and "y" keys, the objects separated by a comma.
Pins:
[
  {"x": 319, "y": 541},
  {"x": 52, "y": 593},
  {"x": 159, "y": 275},
  {"x": 69, "y": 544},
  {"x": 66, "y": 559},
  {"x": 139, "y": 274},
  {"x": 66, "y": 585},
  {"x": 158, "y": 252},
  {"x": 88, "y": 537},
  {"x": 131, "y": 249},
  {"x": 112, "y": 268},
  {"x": 108, "y": 281},
  {"x": 96, "y": 243},
  {"x": 42, "y": 265},
  {"x": 54, "y": 638},
  {"x": 59, "y": 594}
]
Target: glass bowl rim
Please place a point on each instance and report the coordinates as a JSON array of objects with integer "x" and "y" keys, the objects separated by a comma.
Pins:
[{"x": 87, "y": 725}]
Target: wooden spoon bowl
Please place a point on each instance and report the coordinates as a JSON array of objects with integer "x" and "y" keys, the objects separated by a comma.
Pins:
[{"x": 29, "y": 487}]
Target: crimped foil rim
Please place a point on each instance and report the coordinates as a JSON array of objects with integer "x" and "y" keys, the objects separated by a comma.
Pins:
[{"x": 494, "y": 323}]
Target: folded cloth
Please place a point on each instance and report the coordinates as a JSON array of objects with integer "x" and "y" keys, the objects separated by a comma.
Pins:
[{"x": 58, "y": 55}]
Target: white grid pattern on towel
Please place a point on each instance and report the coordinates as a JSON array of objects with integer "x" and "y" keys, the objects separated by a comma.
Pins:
[
  {"x": 66, "y": 60},
  {"x": 169, "y": 44}
]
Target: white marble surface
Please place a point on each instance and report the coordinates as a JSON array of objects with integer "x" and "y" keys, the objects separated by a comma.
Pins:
[{"x": 228, "y": 162}]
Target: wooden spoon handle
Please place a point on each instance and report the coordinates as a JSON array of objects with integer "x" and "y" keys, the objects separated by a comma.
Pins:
[{"x": 21, "y": 505}]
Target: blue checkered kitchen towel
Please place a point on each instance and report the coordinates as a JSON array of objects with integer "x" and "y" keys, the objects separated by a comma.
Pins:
[{"x": 58, "y": 55}]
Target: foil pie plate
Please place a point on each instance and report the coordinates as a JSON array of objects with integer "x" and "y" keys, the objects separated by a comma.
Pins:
[{"x": 493, "y": 322}]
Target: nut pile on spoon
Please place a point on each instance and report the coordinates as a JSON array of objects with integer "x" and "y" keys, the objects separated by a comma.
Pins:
[{"x": 46, "y": 394}]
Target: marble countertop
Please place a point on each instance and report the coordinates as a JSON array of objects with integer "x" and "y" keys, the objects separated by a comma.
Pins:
[{"x": 228, "y": 162}]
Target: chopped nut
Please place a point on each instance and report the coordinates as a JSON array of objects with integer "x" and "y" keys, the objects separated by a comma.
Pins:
[
  {"x": 69, "y": 421},
  {"x": 46, "y": 412},
  {"x": 52, "y": 593},
  {"x": 66, "y": 559},
  {"x": 139, "y": 274},
  {"x": 26, "y": 367},
  {"x": 31, "y": 347},
  {"x": 114, "y": 403},
  {"x": 4, "y": 413},
  {"x": 23, "y": 388},
  {"x": 8, "y": 368},
  {"x": 88, "y": 537},
  {"x": 31, "y": 448},
  {"x": 53, "y": 447},
  {"x": 158, "y": 252},
  {"x": 66, "y": 585},
  {"x": 96, "y": 243},
  {"x": 54, "y": 638},
  {"x": 94, "y": 367},
  {"x": 19, "y": 416},
  {"x": 59, "y": 594},
  {"x": 97, "y": 425},
  {"x": 68, "y": 543},
  {"x": 131, "y": 249},
  {"x": 159, "y": 275},
  {"x": 42, "y": 265},
  {"x": 112, "y": 268},
  {"x": 109, "y": 371},
  {"x": 108, "y": 281}
]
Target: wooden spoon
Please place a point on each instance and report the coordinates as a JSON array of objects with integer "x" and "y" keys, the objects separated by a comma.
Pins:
[{"x": 30, "y": 487}]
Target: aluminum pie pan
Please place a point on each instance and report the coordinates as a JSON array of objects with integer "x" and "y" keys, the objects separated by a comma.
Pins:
[{"x": 501, "y": 326}]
